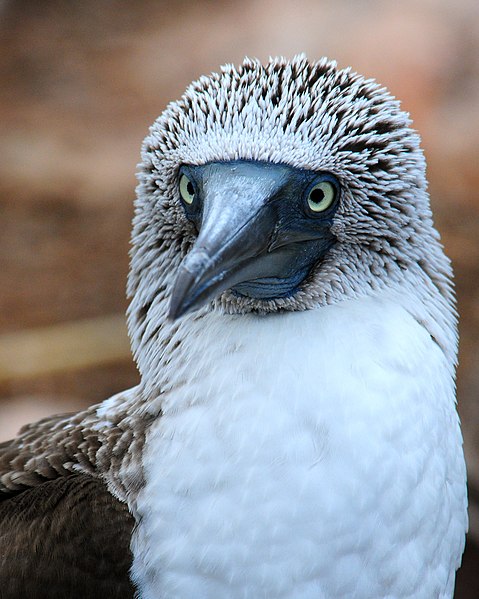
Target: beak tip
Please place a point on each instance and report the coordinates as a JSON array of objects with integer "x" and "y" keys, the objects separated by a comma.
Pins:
[
  {"x": 179, "y": 303},
  {"x": 176, "y": 310}
]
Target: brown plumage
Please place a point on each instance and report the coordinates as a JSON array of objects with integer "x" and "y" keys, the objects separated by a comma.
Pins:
[
  {"x": 65, "y": 538},
  {"x": 62, "y": 533}
]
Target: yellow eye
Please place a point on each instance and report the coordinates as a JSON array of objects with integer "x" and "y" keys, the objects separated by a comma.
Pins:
[
  {"x": 321, "y": 196},
  {"x": 187, "y": 191}
]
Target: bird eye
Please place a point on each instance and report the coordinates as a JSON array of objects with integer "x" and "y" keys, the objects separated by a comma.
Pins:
[
  {"x": 187, "y": 190},
  {"x": 321, "y": 196}
]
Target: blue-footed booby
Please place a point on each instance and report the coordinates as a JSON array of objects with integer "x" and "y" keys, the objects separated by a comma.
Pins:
[{"x": 294, "y": 434}]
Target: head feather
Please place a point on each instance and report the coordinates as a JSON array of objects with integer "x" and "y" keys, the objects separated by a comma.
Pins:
[{"x": 311, "y": 115}]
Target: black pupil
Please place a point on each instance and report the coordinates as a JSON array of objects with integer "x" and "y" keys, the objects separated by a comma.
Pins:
[
  {"x": 190, "y": 189},
  {"x": 317, "y": 195}
]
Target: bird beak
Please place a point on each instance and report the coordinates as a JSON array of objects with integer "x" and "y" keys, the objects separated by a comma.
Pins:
[
  {"x": 254, "y": 236},
  {"x": 237, "y": 225}
]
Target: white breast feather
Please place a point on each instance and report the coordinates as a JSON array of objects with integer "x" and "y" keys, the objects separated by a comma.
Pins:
[{"x": 306, "y": 455}]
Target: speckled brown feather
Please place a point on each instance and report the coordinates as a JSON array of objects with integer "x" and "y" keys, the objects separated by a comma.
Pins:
[
  {"x": 108, "y": 448},
  {"x": 66, "y": 490}
]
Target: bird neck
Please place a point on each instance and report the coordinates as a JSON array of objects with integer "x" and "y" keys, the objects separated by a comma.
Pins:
[{"x": 209, "y": 357}]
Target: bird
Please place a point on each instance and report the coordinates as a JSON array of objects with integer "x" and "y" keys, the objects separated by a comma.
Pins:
[{"x": 294, "y": 434}]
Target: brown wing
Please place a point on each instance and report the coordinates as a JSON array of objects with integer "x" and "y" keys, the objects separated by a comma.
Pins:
[
  {"x": 68, "y": 537},
  {"x": 62, "y": 533}
]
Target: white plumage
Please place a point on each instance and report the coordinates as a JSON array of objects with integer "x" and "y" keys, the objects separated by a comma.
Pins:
[{"x": 305, "y": 458}]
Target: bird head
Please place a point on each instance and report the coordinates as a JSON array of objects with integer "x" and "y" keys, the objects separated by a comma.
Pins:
[{"x": 284, "y": 186}]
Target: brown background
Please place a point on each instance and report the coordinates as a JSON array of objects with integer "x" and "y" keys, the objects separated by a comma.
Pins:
[{"x": 80, "y": 84}]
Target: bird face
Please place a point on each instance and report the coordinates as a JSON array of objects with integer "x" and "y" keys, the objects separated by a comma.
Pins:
[
  {"x": 287, "y": 186},
  {"x": 261, "y": 229}
]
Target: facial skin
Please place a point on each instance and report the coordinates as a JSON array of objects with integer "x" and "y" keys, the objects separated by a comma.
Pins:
[{"x": 262, "y": 227}]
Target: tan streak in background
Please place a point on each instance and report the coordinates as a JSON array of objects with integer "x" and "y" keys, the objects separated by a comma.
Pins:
[{"x": 62, "y": 347}]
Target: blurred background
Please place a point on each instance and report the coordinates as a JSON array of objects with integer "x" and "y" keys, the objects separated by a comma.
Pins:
[{"x": 81, "y": 83}]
